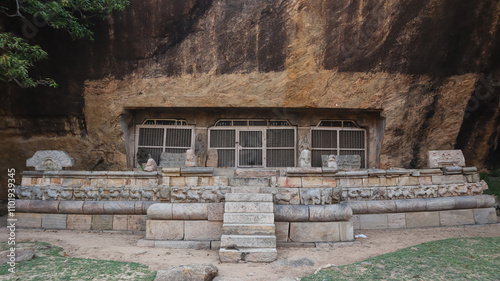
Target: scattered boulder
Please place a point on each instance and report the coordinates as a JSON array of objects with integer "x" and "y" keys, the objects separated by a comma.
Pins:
[
  {"x": 191, "y": 272},
  {"x": 21, "y": 255}
]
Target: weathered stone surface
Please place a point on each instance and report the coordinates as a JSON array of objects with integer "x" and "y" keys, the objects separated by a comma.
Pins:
[
  {"x": 282, "y": 195},
  {"x": 120, "y": 222},
  {"x": 281, "y": 231},
  {"x": 483, "y": 201},
  {"x": 170, "y": 172},
  {"x": 456, "y": 217},
  {"x": 377, "y": 207},
  {"x": 248, "y": 241},
  {"x": 187, "y": 211},
  {"x": 202, "y": 230},
  {"x": 437, "y": 204},
  {"x": 215, "y": 211},
  {"x": 484, "y": 216},
  {"x": 197, "y": 171},
  {"x": 290, "y": 213},
  {"x": 303, "y": 171},
  {"x": 29, "y": 220},
  {"x": 465, "y": 202},
  {"x": 445, "y": 158},
  {"x": 248, "y": 197},
  {"x": 338, "y": 212},
  {"x": 119, "y": 207},
  {"x": 164, "y": 230},
  {"x": 192, "y": 272},
  {"x": 373, "y": 221},
  {"x": 422, "y": 219},
  {"x": 248, "y": 255},
  {"x": 79, "y": 222},
  {"x": 289, "y": 182},
  {"x": 50, "y": 160},
  {"x": 20, "y": 255},
  {"x": 44, "y": 206},
  {"x": 411, "y": 205},
  {"x": 160, "y": 211},
  {"x": 348, "y": 162},
  {"x": 249, "y": 181},
  {"x": 252, "y": 173},
  {"x": 238, "y": 218},
  {"x": 248, "y": 207},
  {"x": 181, "y": 244},
  {"x": 346, "y": 231},
  {"x": 358, "y": 207},
  {"x": 136, "y": 222},
  {"x": 248, "y": 229},
  {"x": 71, "y": 207},
  {"x": 316, "y": 196},
  {"x": 54, "y": 221},
  {"x": 102, "y": 222},
  {"x": 397, "y": 220},
  {"x": 23, "y": 206},
  {"x": 93, "y": 207},
  {"x": 315, "y": 231}
]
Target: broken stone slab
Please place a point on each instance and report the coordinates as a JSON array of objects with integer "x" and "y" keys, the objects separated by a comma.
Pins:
[
  {"x": 21, "y": 255},
  {"x": 50, "y": 160},
  {"x": 348, "y": 162},
  {"x": 191, "y": 272},
  {"x": 445, "y": 158},
  {"x": 469, "y": 170},
  {"x": 452, "y": 170}
]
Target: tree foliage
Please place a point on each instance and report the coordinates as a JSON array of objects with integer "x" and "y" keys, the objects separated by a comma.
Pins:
[{"x": 17, "y": 55}]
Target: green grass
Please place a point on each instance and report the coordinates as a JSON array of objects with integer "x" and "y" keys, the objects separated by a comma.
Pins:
[
  {"x": 49, "y": 264},
  {"x": 493, "y": 184},
  {"x": 450, "y": 259}
]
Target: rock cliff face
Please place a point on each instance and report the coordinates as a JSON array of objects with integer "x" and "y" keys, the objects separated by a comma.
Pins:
[{"x": 430, "y": 67}]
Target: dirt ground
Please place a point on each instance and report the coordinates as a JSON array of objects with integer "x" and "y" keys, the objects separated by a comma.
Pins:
[{"x": 295, "y": 262}]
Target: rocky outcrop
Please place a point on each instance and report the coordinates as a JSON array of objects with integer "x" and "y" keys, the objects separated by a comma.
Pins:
[{"x": 418, "y": 62}]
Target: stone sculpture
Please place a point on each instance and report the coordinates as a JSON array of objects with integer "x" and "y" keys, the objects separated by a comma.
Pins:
[
  {"x": 305, "y": 158},
  {"x": 50, "y": 160},
  {"x": 213, "y": 158},
  {"x": 200, "y": 150},
  {"x": 151, "y": 165},
  {"x": 445, "y": 158},
  {"x": 190, "y": 158}
]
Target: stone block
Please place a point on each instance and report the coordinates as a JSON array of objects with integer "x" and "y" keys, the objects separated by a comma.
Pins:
[
  {"x": 102, "y": 222},
  {"x": 221, "y": 181},
  {"x": 427, "y": 180},
  {"x": 119, "y": 207},
  {"x": 50, "y": 160},
  {"x": 29, "y": 220},
  {"x": 177, "y": 181},
  {"x": 391, "y": 181},
  {"x": 215, "y": 211},
  {"x": 249, "y": 182},
  {"x": 120, "y": 222},
  {"x": 338, "y": 212},
  {"x": 248, "y": 255},
  {"x": 465, "y": 202},
  {"x": 456, "y": 217},
  {"x": 356, "y": 224},
  {"x": 358, "y": 207},
  {"x": 469, "y": 170},
  {"x": 214, "y": 245},
  {"x": 329, "y": 182},
  {"x": 248, "y": 229},
  {"x": 484, "y": 216},
  {"x": 146, "y": 205},
  {"x": 473, "y": 178},
  {"x": 160, "y": 211},
  {"x": 452, "y": 170},
  {"x": 171, "y": 172},
  {"x": 411, "y": 205},
  {"x": 164, "y": 192},
  {"x": 438, "y": 204},
  {"x": 373, "y": 221},
  {"x": 351, "y": 182},
  {"x": 179, "y": 244},
  {"x": 191, "y": 181},
  {"x": 312, "y": 182},
  {"x": 248, "y": 197},
  {"x": 206, "y": 181},
  {"x": 138, "y": 208},
  {"x": 202, "y": 230},
  {"x": 281, "y": 231},
  {"x": 289, "y": 245},
  {"x": 315, "y": 231},
  {"x": 248, "y": 241},
  {"x": 93, "y": 207},
  {"x": 23, "y": 205},
  {"x": 398, "y": 172},
  {"x": 290, "y": 213},
  {"x": 190, "y": 211},
  {"x": 79, "y": 222},
  {"x": 483, "y": 201},
  {"x": 164, "y": 230},
  {"x": 248, "y": 207},
  {"x": 289, "y": 182},
  {"x": 445, "y": 158},
  {"x": 255, "y": 218},
  {"x": 371, "y": 181},
  {"x": 55, "y": 181},
  {"x": 54, "y": 221},
  {"x": 282, "y": 195},
  {"x": 136, "y": 222},
  {"x": 422, "y": 219},
  {"x": 448, "y": 179},
  {"x": 396, "y": 220},
  {"x": 197, "y": 171},
  {"x": 303, "y": 171},
  {"x": 44, "y": 206},
  {"x": 379, "y": 207},
  {"x": 346, "y": 231},
  {"x": 252, "y": 173},
  {"x": 71, "y": 207}
]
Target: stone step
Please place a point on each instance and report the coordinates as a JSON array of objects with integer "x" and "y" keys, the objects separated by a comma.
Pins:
[
  {"x": 249, "y": 207},
  {"x": 247, "y": 241},
  {"x": 248, "y": 218},
  {"x": 248, "y": 229},
  {"x": 249, "y": 197},
  {"x": 248, "y": 255},
  {"x": 249, "y": 181}
]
